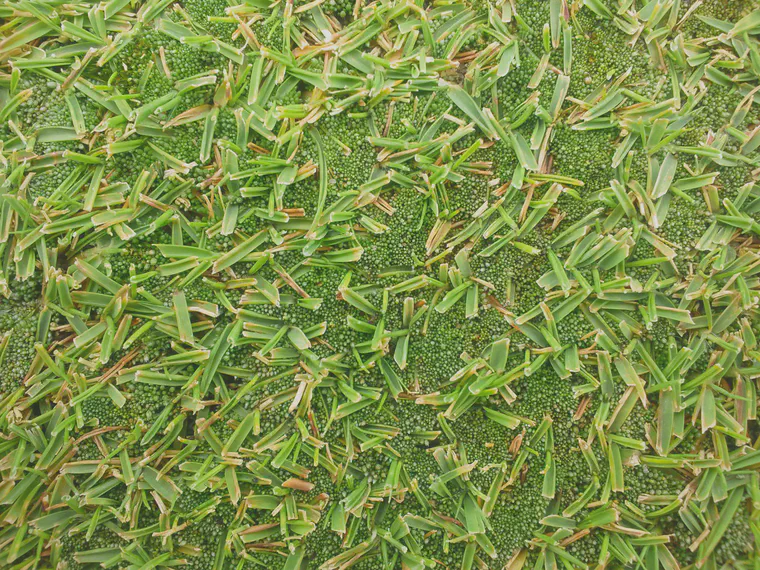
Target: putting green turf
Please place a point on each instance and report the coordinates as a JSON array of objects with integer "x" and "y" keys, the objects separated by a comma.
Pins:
[{"x": 387, "y": 285}]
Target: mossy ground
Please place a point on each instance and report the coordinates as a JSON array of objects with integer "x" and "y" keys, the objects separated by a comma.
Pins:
[{"x": 385, "y": 285}]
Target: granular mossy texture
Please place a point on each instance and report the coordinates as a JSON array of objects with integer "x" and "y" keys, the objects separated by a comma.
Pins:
[{"x": 394, "y": 284}]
